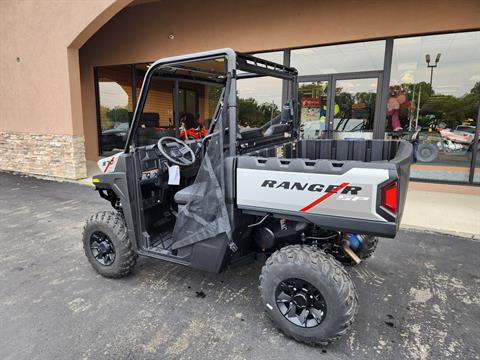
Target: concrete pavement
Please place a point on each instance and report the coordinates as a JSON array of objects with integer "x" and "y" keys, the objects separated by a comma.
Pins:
[
  {"x": 451, "y": 209},
  {"x": 418, "y": 295}
]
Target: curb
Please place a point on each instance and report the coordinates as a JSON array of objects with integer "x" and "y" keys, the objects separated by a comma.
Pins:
[{"x": 465, "y": 235}]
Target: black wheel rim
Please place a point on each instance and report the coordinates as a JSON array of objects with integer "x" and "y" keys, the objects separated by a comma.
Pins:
[
  {"x": 301, "y": 303},
  {"x": 102, "y": 248}
]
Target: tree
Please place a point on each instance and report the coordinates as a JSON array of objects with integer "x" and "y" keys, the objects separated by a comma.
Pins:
[
  {"x": 251, "y": 114},
  {"x": 476, "y": 90},
  {"x": 247, "y": 111},
  {"x": 214, "y": 92},
  {"x": 268, "y": 111},
  {"x": 118, "y": 115}
]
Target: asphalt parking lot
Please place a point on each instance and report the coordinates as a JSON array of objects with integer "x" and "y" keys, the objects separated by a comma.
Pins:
[{"x": 419, "y": 295}]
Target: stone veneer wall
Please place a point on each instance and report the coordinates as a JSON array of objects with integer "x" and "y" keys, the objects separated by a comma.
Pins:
[{"x": 43, "y": 154}]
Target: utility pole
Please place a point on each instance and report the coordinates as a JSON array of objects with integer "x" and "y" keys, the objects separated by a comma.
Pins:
[{"x": 437, "y": 59}]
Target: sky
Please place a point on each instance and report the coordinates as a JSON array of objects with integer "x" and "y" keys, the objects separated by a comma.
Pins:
[{"x": 457, "y": 71}]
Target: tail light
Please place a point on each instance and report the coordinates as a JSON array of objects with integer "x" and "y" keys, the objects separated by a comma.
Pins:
[{"x": 389, "y": 197}]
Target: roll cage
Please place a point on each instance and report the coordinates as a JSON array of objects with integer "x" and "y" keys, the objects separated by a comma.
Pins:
[{"x": 236, "y": 66}]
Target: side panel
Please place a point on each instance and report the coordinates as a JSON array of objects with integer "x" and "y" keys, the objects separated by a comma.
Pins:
[
  {"x": 352, "y": 194},
  {"x": 117, "y": 180}
]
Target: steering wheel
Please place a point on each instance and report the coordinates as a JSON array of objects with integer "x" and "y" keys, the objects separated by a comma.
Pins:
[{"x": 175, "y": 151}]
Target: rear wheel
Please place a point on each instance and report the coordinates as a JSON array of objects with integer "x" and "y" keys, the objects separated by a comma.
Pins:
[
  {"x": 426, "y": 152},
  {"x": 308, "y": 295},
  {"x": 107, "y": 246}
]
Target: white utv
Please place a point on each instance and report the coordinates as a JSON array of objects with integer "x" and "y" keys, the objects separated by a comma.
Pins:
[{"x": 307, "y": 206}]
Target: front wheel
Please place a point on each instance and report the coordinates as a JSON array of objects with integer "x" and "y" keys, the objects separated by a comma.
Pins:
[
  {"x": 308, "y": 295},
  {"x": 107, "y": 246}
]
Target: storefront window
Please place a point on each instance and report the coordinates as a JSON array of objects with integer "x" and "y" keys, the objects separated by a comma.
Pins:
[
  {"x": 188, "y": 101},
  {"x": 258, "y": 101},
  {"x": 116, "y": 103},
  {"x": 339, "y": 58},
  {"x": 433, "y": 102},
  {"x": 274, "y": 56},
  {"x": 156, "y": 119},
  {"x": 159, "y": 102},
  {"x": 196, "y": 105}
]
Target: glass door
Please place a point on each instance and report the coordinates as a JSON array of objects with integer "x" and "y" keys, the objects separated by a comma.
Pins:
[
  {"x": 355, "y": 107},
  {"x": 313, "y": 100},
  {"x": 340, "y": 106}
]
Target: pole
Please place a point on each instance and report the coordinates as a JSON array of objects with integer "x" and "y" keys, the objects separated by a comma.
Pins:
[
  {"x": 379, "y": 122},
  {"x": 410, "y": 115},
  {"x": 431, "y": 78},
  {"x": 475, "y": 148},
  {"x": 418, "y": 106}
]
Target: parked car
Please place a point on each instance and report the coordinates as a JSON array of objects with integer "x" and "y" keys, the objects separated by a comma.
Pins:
[{"x": 115, "y": 138}]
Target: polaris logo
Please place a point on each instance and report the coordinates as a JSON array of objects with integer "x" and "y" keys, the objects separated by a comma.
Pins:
[{"x": 287, "y": 185}]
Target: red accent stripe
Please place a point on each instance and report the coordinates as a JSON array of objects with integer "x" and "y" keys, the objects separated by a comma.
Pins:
[
  {"x": 324, "y": 197},
  {"x": 108, "y": 165}
]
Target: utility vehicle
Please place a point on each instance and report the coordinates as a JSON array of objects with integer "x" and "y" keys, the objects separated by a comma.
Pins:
[
  {"x": 306, "y": 206},
  {"x": 444, "y": 142}
]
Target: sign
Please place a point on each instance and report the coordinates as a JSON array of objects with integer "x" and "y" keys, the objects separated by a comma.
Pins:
[
  {"x": 311, "y": 102},
  {"x": 310, "y": 109}
]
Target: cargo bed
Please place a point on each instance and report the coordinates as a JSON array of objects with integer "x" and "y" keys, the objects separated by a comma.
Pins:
[{"x": 350, "y": 185}]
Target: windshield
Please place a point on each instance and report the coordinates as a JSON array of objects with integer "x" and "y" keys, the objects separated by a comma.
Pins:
[{"x": 122, "y": 127}]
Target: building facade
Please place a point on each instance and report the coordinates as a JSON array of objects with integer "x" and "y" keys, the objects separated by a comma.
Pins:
[{"x": 71, "y": 73}]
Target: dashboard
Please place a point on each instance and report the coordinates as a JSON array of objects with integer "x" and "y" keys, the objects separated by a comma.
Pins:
[{"x": 152, "y": 165}]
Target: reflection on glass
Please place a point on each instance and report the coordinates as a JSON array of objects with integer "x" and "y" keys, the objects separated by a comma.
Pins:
[
  {"x": 436, "y": 110},
  {"x": 213, "y": 92},
  {"x": 158, "y": 109},
  {"x": 354, "y": 108},
  {"x": 339, "y": 58},
  {"x": 274, "y": 56},
  {"x": 196, "y": 103},
  {"x": 156, "y": 119},
  {"x": 188, "y": 102},
  {"x": 313, "y": 109},
  {"x": 258, "y": 101},
  {"x": 192, "y": 110},
  {"x": 115, "y": 97}
]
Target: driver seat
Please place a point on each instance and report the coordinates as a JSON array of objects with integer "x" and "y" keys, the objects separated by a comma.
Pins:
[{"x": 192, "y": 192}]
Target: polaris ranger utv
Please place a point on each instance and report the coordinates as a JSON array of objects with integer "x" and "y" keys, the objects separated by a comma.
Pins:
[{"x": 307, "y": 206}]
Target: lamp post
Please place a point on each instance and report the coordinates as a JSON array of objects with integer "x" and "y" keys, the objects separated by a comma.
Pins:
[{"x": 432, "y": 66}]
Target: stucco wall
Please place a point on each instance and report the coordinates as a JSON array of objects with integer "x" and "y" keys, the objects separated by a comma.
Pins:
[
  {"x": 34, "y": 62},
  {"x": 40, "y": 76},
  {"x": 140, "y": 33}
]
